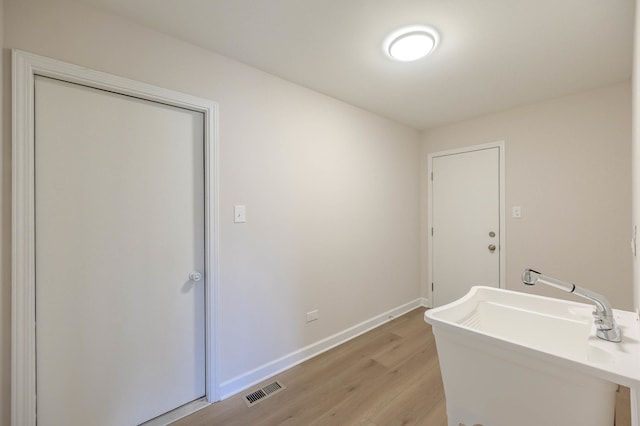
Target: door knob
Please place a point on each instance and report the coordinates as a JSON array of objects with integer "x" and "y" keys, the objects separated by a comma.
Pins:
[
  {"x": 195, "y": 276},
  {"x": 492, "y": 248}
]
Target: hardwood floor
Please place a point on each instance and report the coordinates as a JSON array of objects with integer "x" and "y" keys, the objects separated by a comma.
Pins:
[
  {"x": 623, "y": 407},
  {"x": 388, "y": 376}
]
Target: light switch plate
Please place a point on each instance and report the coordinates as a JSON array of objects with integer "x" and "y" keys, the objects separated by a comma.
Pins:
[
  {"x": 239, "y": 214},
  {"x": 516, "y": 211}
]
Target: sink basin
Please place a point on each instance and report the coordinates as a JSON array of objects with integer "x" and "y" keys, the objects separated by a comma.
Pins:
[{"x": 515, "y": 358}]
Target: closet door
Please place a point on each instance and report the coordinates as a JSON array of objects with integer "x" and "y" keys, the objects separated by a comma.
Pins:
[{"x": 120, "y": 309}]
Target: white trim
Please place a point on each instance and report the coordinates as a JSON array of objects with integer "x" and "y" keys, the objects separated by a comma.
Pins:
[
  {"x": 270, "y": 369},
  {"x": 23, "y": 361},
  {"x": 23, "y": 337},
  {"x": 503, "y": 238}
]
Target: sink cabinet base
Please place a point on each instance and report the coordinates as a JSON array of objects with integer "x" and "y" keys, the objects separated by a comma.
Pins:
[{"x": 486, "y": 385}]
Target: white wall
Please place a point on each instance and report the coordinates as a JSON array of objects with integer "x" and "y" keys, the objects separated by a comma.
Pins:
[
  {"x": 331, "y": 190},
  {"x": 568, "y": 167}
]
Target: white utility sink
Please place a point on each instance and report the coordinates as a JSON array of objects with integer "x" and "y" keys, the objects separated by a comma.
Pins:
[{"x": 512, "y": 358}]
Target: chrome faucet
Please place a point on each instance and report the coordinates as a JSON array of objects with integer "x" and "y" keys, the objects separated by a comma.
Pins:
[{"x": 607, "y": 329}]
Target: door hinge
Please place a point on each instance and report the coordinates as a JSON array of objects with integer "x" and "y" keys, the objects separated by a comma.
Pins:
[
  {"x": 432, "y": 176},
  {"x": 432, "y": 231},
  {"x": 432, "y": 287}
]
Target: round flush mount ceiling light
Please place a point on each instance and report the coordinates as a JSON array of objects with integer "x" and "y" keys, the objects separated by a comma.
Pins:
[{"x": 410, "y": 43}]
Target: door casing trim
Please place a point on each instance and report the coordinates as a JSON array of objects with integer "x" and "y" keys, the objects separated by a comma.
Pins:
[
  {"x": 25, "y": 66},
  {"x": 501, "y": 172}
]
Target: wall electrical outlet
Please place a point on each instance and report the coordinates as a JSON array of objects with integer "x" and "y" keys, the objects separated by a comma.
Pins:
[{"x": 312, "y": 315}]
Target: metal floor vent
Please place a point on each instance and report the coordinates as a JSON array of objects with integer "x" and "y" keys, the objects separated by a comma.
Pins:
[{"x": 263, "y": 393}]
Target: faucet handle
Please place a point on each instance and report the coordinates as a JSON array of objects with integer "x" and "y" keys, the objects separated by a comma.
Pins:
[{"x": 611, "y": 334}]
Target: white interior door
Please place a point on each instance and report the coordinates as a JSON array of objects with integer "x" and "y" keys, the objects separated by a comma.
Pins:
[
  {"x": 119, "y": 223},
  {"x": 465, "y": 223}
]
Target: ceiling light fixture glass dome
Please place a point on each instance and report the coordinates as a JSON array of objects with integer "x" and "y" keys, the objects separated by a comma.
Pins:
[{"x": 410, "y": 43}]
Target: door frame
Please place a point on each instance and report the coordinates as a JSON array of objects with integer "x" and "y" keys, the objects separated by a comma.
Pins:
[
  {"x": 25, "y": 66},
  {"x": 502, "y": 220}
]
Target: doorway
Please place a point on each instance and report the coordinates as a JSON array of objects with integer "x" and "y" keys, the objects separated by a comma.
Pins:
[
  {"x": 465, "y": 221},
  {"x": 114, "y": 214}
]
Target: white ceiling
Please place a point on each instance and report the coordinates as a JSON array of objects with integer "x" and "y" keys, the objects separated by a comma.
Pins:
[{"x": 493, "y": 54}]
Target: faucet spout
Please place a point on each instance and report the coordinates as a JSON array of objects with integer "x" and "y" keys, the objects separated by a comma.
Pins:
[{"x": 607, "y": 328}]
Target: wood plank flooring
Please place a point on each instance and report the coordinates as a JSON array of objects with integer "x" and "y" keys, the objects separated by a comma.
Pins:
[{"x": 388, "y": 376}]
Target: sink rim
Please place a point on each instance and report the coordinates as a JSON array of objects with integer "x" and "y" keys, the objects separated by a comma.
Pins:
[{"x": 619, "y": 365}]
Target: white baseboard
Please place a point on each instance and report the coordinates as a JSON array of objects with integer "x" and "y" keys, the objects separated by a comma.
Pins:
[{"x": 270, "y": 369}]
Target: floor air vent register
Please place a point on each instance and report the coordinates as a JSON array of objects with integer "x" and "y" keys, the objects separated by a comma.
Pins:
[{"x": 263, "y": 393}]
